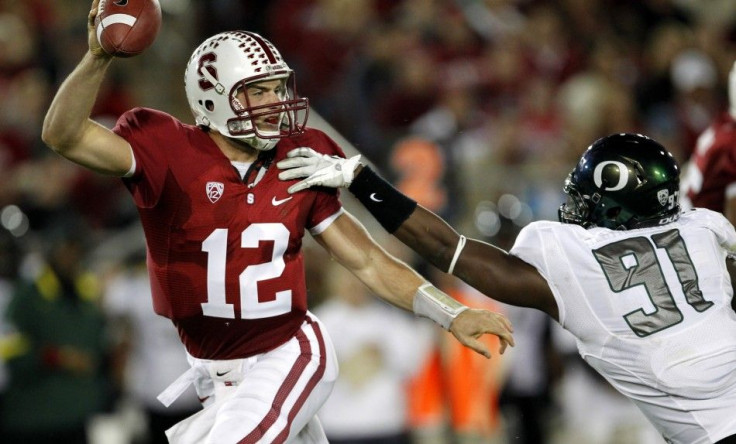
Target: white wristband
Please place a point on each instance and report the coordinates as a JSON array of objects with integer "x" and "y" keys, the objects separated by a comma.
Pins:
[
  {"x": 432, "y": 303},
  {"x": 458, "y": 250}
]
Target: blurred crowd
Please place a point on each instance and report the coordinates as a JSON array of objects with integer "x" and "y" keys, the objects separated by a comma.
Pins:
[{"x": 476, "y": 108}]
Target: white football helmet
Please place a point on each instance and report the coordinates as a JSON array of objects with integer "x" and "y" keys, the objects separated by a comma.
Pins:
[{"x": 221, "y": 67}]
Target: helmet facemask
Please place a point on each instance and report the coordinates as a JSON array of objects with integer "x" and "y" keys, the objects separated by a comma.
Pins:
[
  {"x": 575, "y": 210},
  {"x": 288, "y": 116},
  {"x": 595, "y": 211}
]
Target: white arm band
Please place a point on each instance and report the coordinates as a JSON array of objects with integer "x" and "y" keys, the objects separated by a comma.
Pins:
[
  {"x": 432, "y": 303},
  {"x": 458, "y": 250}
]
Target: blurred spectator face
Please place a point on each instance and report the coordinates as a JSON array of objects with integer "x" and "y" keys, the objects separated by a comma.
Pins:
[
  {"x": 666, "y": 41},
  {"x": 16, "y": 42},
  {"x": 25, "y": 101},
  {"x": 9, "y": 256},
  {"x": 346, "y": 18},
  {"x": 67, "y": 253}
]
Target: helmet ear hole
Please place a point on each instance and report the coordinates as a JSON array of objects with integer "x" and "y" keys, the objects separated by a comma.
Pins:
[
  {"x": 613, "y": 213},
  {"x": 209, "y": 105}
]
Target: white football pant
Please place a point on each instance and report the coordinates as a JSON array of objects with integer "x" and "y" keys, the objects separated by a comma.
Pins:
[{"x": 269, "y": 398}]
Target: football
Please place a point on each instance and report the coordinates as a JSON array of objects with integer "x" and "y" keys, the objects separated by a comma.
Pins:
[{"x": 127, "y": 27}]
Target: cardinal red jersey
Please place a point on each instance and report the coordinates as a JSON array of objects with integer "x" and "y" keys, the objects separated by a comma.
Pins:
[
  {"x": 224, "y": 255},
  {"x": 711, "y": 172}
]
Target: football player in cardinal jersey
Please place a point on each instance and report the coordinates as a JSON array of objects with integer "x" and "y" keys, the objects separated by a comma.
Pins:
[
  {"x": 224, "y": 237},
  {"x": 644, "y": 288},
  {"x": 710, "y": 174}
]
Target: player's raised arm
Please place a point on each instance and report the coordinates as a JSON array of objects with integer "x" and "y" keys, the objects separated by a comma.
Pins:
[
  {"x": 394, "y": 281},
  {"x": 67, "y": 127}
]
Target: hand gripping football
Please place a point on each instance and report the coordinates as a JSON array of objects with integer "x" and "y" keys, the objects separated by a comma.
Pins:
[{"x": 127, "y": 27}]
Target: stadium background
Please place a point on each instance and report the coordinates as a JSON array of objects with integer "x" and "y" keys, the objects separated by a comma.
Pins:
[{"x": 476, "y": 108}]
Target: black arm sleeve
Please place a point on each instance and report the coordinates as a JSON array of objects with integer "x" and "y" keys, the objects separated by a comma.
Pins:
[{"x": 387, "y": 204}]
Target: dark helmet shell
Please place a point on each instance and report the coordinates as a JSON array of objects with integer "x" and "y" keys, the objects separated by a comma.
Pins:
[{"x": 623, "y": 181}]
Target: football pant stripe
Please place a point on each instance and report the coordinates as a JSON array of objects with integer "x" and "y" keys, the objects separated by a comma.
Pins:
[
  {"x": 291, "y": 380},
  {"x": 316, "y": 377}
]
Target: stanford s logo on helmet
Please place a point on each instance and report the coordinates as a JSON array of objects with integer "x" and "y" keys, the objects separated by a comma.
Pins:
[
  {"x": 221, "y": 67},
  {"x": 623, "y": 181},
  {"x": 208, "y": 73}
]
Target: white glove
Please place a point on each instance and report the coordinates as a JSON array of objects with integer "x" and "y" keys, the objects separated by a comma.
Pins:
[{"x": 320, "y": 170}]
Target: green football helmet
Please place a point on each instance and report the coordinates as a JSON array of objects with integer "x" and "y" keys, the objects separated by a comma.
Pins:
[{"x": 622, "y": 182}]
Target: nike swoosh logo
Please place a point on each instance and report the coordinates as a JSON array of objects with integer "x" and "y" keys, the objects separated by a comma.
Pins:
[
  {"x": 223, "y": 373},
  {"x": 374, "y": 198},
  {"x": 121, "y": 2},
  {"x": 275, "y": 202}
]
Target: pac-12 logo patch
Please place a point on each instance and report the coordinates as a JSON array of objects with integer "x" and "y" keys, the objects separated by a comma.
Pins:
[{"x": 214, "y": 191}]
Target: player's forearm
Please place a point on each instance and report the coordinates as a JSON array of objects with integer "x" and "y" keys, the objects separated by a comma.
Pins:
[
  {"x": 347, "y": 240},
  {"x": 425, "y": 232},
  {"x": 68, "y": 115},
  {"x": 430, "y": 236},
  {"x": 386, "y": 276},
  {"x": 397, "y": 286}
]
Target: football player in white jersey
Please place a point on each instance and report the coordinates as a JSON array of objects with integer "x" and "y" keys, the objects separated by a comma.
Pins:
[{"x": 644, "y": 288}]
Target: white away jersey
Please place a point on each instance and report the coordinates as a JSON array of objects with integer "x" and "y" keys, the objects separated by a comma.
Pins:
[{"x": 651, "y": 311}]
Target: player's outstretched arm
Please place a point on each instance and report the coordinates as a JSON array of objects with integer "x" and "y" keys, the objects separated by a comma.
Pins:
[
  {"x": 489, "y": 269},
  {"x": 395, "y": 282},
  {"x": 67, "y": 128}
]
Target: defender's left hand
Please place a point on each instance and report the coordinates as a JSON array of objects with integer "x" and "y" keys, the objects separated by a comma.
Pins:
[
  {"x": 471, "y": 324},
  {"x": 319, "y": 169}
]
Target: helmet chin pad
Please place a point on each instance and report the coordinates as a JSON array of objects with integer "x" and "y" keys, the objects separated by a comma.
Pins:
[
  {"x": 261, "y": 144},
  {"x": 245, "y": 129}
]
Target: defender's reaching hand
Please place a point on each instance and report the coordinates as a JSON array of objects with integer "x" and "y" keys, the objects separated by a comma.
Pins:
[
  {"x": 473, "y": 323},
  {"x": 320, "y": 170}
]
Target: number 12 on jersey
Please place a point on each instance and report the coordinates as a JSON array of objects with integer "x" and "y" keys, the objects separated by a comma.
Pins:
[
  {"x": 250, "y": 306},
  {"x": 633, "y": 261}
]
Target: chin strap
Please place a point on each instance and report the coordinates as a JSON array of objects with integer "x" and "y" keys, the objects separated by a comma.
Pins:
[
  {"x": 262, "y": 144},
  {"x": 264, "y": 160}
]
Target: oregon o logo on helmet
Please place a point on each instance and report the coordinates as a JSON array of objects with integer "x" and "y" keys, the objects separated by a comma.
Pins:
[{"x": 623, "y": 175}]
